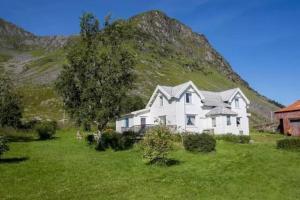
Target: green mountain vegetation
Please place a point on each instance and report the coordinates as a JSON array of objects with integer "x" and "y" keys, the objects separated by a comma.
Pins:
[{"x": 167, "y": 53}]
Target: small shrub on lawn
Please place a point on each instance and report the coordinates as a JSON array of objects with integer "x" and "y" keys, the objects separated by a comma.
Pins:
[
  {"x": 116, "y": 141},
  {"x": 90, "y": 139},
  {"x": 46, "y": 130},
  {"x": 243, "y": 139},
  {"x": 3, "y": 145},
  {"x": 289, "y": 143},
  {"x": 199, "y": 142},
  {"x": 156, "y": 145}
]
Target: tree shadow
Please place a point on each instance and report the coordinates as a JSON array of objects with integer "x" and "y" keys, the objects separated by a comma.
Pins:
[
  {"x": 167, "y": 162},
  {"x": 13, "y": 160}
]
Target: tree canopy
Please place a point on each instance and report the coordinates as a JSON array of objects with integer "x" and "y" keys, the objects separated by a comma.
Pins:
[
  {"x": 98, "y": 75},
  {"x": 10, "y": 102}
]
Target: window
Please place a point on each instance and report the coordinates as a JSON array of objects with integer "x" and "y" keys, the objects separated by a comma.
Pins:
[
  {"x": 190, "y": 120},
  {"x": 214, "y": 122},
  {"x": 162, "y": 120},
  {"x": 228, "y": 120},
  {"x": 126, "y": 122},
  {"x": 238, "y": 121},
  {"x": 237, "y": 103},
  {"x": 188, "y": 97},
  {"x": 161, "y": 100}
]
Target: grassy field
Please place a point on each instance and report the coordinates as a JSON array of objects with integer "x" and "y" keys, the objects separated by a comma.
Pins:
[{"x": 65, "y": 168}]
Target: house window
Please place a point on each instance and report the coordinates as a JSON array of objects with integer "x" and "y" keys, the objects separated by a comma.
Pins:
[
  {"x": 161, "y": 100},
  {"x": 190, "y": 120},
  {"x": 237, "y": 103},
  {"x": 238, "y": 121},
  {"x": 162, "y": 120},
  {"x": 228, "y": 120},
  {"x": 214, "y": 122},
  {"x": 126, "y": 122},
  {"x": 188, "y": 97}
]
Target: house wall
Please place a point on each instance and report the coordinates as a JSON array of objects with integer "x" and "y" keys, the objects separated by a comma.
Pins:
[
  {"x": 121, "y": 123},
  {"x": 242, "y": 112},
  {"x": 287, "y": 126},
  {"x": 193, "y": 108},
  {"x": 168, "y": 109}
]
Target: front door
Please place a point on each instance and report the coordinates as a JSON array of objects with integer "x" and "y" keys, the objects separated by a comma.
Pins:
[{"x": 143, "y": 122}]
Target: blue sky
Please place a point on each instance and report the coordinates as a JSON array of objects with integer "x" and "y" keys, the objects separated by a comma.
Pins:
[{"x": 260, "y": 38}]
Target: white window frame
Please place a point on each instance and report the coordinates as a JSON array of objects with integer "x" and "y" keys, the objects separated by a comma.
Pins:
[
  {"x": 237, "y": 102},
  {"x": 214, "y": 122},
  {"x": 228, "y": 120},
  {"x": 161, "y": 100},
  {"x": 240, "y": 121},
  {"x": 165, "y": 119},
  {"x": 189, "y": 96},
  {"x": 186, "y": 120},
  {"x": 126, "y": 122}
]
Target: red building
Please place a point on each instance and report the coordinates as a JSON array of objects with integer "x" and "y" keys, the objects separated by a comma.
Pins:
[{"x": 289, "y": 119}]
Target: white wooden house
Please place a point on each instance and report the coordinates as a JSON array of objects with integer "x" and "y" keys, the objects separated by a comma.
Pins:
[{"x": 185, "y": 108}]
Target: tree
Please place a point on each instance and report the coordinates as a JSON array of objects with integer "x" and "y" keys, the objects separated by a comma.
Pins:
[
  {"x": 10, "y": 103},
  {"x": 156, "y": 145},
  {"x": 98, "y": 75},
  {"x": 132, "y": 103}
]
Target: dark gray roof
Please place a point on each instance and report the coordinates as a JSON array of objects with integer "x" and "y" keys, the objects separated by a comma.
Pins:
[{"x": 220, "y": 111}]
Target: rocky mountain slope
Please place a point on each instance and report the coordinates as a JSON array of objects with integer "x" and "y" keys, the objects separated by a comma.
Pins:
[{"x": 167, "y": 52}]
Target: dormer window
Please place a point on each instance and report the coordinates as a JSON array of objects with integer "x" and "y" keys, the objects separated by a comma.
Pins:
[
  {"x": 237, "y": 103},
  {"x": 188, "y": 97},
  {"x": 161, "y": 100}
]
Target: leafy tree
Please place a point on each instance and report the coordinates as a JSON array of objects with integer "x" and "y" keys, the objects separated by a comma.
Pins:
[
  {"x": 156, "y": 145},
  {"x": 99, "y": 73},
  {"x": 10, "y": 102},
  {"x": 132, "y": 103}
]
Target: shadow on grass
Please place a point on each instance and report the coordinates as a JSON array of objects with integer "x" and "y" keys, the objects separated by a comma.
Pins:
[
  {"x": 21, "y": 139},
  {"x": 167, "y": 162},
  {"x": 13, "y": 160}
]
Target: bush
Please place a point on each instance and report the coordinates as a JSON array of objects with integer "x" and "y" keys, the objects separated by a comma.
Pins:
[
  {"x": 90, "y": 139},
  {"x": 116, "y": 141},
  {"x": 156, "y": 145},
  {"x": 46, "y": 130},
  {"x": 199, "y": 142},
  {"x": 29, "y": 124},
  {"x": 289, "y": 143},
  {"x": 243, "y": 139},
  {"x": 3, "y": 145}
]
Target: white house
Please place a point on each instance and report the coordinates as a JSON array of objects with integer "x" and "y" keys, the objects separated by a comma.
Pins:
[{"x": 185, "y": 108}]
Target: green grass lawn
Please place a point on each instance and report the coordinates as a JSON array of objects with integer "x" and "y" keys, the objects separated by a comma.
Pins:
[{"x": 65, "y": 168}]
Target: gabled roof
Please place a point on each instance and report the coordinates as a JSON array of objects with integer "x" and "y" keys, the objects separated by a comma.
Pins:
[
  {"x": 213, "y": 99},
  {"x": 293, "y": 107},
  {"x": 221, "y": 111},
  {"x": 174, "y": 92}
]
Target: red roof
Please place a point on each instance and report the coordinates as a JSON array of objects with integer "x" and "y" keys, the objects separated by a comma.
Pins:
[{"x": 293, "y": 107}]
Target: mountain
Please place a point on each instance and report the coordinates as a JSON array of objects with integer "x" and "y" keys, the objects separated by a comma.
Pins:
[{"x": 167, "y": 53}]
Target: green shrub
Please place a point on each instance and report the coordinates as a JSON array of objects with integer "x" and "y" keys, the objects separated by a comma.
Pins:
[
  {"x": 243, "y": 139},
  {"x": 29, "y": 124},
  {"x": 46, "y": 130},
  {"x": 90, "y": 139},
  {"x": 3, "y": 145},
  {"x": 116, "y": 141},
  {"x": 156, "y": 145},
  {"x": 289, "y": 143},
  {"x": 199, "y": 142}
]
